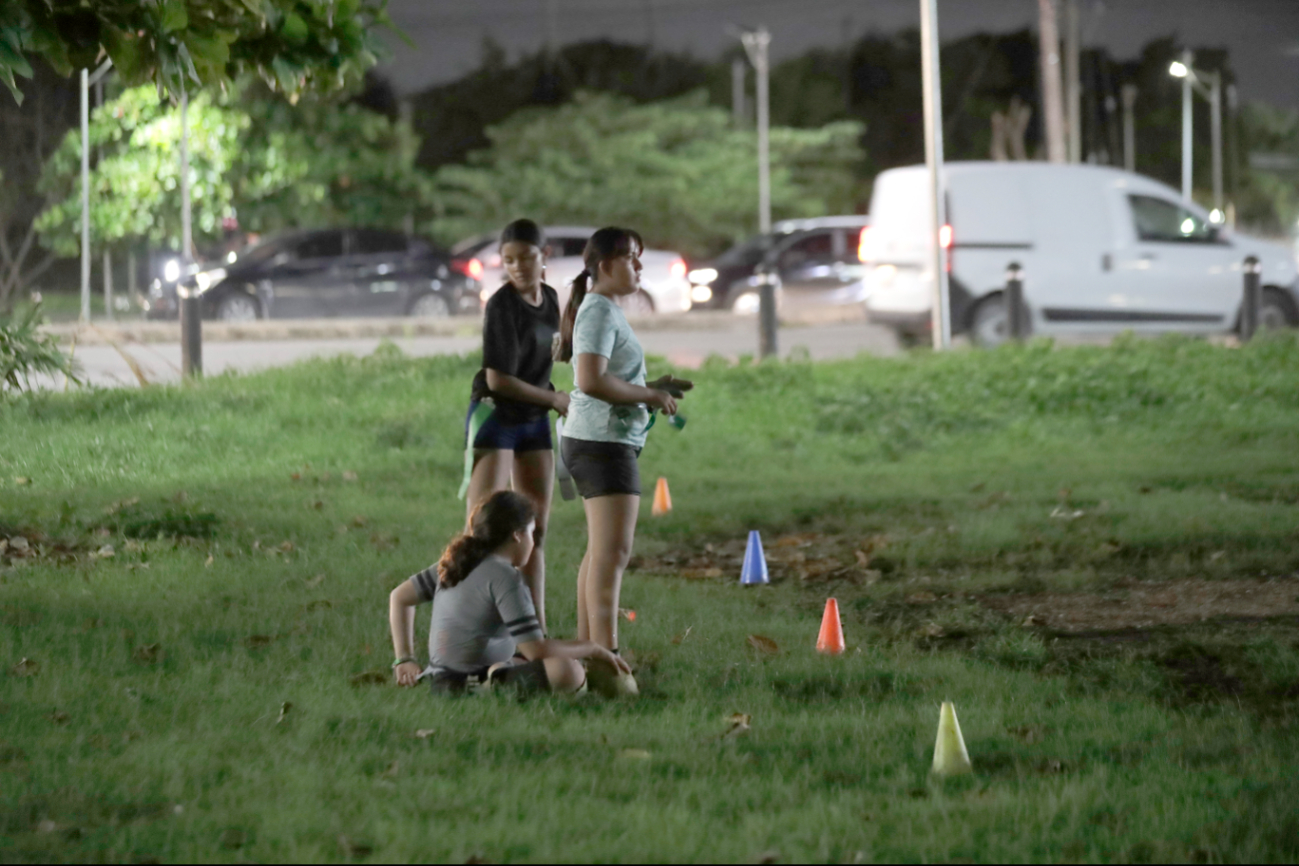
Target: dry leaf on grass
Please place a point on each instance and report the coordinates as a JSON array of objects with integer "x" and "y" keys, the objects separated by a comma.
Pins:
[
  {"x": 353, "y": 849},
  {"x": 105, "y": 552},
  {"x": 738, "y": 724},
  {"x": 1033, "y": 621},
  {"x": 349, "y": 475},
  {"x": 284, "y": 712},
  {"x": 58, "y": 718},
  {"x": 392, "y": 770},
  {"x": 374, "y": 677},
  {"x": 763, "y": 644},
  {"x": 287, "y": 546},
  {"x": 207, "y": 563},
  {"x": 19, "y": 544},
  {"x": 933, "y": 630},
  {"x": 147, "y": 653},
  {"x": 634, "y": 755},
  {"x": 677, "y": 640},
  {"x": 425, "y": 733},
  {"x": 316, "y": 581},
  {"x": 359, "y": 521},
  {"x": 22, "y": 481},
  {"x": 258, "y": 641},
  {"x": 26, "y": 668},
  {"x": 921, "y": 598}
]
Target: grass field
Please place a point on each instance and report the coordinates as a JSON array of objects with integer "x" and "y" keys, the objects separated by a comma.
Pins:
[{"x": 1091, "y": 551}]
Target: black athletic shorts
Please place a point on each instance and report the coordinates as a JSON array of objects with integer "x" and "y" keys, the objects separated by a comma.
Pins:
[
  {"x": 601, "y": 468},
  {"x": 527, "y": 676}
]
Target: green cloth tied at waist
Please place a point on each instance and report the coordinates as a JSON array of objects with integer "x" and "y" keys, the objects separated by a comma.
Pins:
[{"x": 477, "y": 419}]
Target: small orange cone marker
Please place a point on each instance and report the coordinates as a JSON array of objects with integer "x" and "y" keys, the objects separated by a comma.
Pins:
[
  {"x": 950, "y": 756},
  {"x": 662, "y": 499},
  {"x": 831, "y": 638}
]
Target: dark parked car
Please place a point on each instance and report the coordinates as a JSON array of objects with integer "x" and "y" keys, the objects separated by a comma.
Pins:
[
  {"x": 815, "y": 260},
  {"x": 323, "y": 273}
]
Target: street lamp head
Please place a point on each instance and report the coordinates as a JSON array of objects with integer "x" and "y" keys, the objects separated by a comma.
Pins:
[{"x": 1178, "y": 69}]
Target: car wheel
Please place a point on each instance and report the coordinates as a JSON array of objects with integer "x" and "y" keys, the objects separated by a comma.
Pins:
[
  {"x": 1276, "y": 312},
  {"x": 989, "y": 324},
  {"x": 746, "y": 304},
  {"x": 430, "y": 306},
  {"x": 638, "y": 304},
  {"x": 238, "y": 307}
]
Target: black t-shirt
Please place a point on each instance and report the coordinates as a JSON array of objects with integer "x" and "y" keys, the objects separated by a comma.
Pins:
[{"x": 516, "y": 341}]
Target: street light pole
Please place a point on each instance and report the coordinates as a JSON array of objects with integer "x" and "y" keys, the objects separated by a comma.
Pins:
[
  {"x": 1187, "y": 109},
  {"x": 1215, "y": 119},
  {"x": 87, "y": 79},
  {"x": 1129, "y": 94},
  {"x": 756, "y": 43},
  {"x": 191, "y": 325},
  {"x": 940, "y": 313}
]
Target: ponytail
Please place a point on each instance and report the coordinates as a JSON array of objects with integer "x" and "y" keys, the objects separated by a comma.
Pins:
[
  {"x": 607, "y": 243},
  {"x": 491, "y": 525}
]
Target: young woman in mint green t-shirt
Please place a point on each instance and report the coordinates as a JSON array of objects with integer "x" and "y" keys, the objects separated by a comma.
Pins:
[{"x": 608, "y": 417}]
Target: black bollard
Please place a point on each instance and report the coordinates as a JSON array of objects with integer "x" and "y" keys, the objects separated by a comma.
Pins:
[
  {"x": 1016, "y": 312},
  {"x": 191, "y": 336},
  {"x": 1252, "y": 300},
  {"x": 767, "y": 315}
]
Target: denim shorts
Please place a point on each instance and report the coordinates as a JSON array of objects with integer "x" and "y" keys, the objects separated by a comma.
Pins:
[{"x": 526, "y": 436}]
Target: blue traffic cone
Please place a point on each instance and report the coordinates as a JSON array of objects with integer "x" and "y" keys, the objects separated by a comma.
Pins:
[{"x": 754, "y": 571}]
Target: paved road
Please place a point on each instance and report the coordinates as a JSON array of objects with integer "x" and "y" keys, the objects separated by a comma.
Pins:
[{"x": 160, "y": 362}]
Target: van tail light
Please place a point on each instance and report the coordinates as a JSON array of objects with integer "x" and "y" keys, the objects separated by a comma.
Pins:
[
  {"x": 678, "y": 269},
  {"x": 862, "y": 255},
  {"x": 945, "y": 241}
]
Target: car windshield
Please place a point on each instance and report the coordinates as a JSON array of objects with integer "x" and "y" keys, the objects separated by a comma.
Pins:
[
  {"x": 746, "y": 253},
  {"x": 261, "y": 251}
]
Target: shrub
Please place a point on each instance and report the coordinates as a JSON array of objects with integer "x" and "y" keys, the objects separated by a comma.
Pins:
[{"x": 25, "y": 352}]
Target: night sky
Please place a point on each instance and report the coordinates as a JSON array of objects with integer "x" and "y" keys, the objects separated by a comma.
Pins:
[{"x": 1262, "y": 35}]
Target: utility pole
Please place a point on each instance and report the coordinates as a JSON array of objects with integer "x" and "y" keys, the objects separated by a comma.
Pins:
[
  {"x": 1052, "y": 102},
  {"x": 940, "y": 311},
  {"x": 1073, "y": 82},
  {"x": 1233, "y": 158},
  {"x": 738, "y": 75},
  {"x": 756, "y": 43},
  {"x": 87, "y": 79},
  {"x": 1129, "y": 94},
  {"x": 106, "y": 253},
  {"x": 1215, "y": 121},
  {"x": 191, "y": 324},
  {"x": 1187, "y": 109}
]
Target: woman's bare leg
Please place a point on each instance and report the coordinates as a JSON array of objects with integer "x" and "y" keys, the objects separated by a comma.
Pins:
[
  {"x": 583, "y": 625},
  {"x": 534, "y": 477},
  {"x": 611, "y": 530},
  {"x": 492, "y": 468}
]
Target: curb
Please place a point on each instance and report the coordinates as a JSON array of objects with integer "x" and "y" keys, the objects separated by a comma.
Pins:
[{"x": 108, "y": 333}]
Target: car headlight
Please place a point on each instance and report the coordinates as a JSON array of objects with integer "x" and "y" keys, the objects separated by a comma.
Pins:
[
  {"x": 205, "y": 280},
  {"x": 171, "y": 270},
  {"x": 701, "y": 294},
  {"x": 702, "y": 276}
]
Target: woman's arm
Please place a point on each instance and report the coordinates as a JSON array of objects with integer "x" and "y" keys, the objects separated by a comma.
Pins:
[
  {"x": 514, "y": 388},
  {"x": 570, "y": 649},
  {"x": 402, "y": 602},
  {"x": 593, "y": 378}
]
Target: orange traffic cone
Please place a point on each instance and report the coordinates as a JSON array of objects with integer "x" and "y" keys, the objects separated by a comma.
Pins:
[
  {"x": 662, "y": 499},
  {"x": 831, "y": 638}
]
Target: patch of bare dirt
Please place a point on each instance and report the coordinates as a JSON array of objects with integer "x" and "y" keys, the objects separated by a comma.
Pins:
[
  {"x": 1147, "y": 605},
  {"x": 807, "y": 557}
]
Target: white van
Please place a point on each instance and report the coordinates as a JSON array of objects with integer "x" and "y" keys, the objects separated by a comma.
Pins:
[{"x": 1103, "y": 251}]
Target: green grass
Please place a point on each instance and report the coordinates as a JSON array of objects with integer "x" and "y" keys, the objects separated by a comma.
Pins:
[{"x": 249, "y": 571}]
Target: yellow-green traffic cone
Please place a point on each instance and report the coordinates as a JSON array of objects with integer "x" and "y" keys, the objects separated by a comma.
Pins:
[{"x": 950, "y": 756}]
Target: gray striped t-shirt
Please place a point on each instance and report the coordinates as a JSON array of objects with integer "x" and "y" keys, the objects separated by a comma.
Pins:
[{"x": 479, "y": 621}]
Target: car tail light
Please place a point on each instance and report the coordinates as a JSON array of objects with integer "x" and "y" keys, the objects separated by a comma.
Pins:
[
  {"x": 472, "y": 268},
  {"x": 862, "y": 254},
  {"x": 945, "y": 237},
  {"x": 678, "y": 269}
]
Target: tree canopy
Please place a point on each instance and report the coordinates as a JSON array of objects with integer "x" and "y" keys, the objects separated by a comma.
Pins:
[
  {"x": 677, "y": 170},
  {"x": 293, "y": 45},
  {"x": 251, "y": 155}
]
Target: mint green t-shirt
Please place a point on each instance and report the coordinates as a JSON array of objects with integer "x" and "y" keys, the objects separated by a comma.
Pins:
[{"x": 602, "y": 329}]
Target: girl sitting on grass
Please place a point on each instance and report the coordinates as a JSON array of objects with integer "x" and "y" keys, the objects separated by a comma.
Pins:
[{"x": 483, "y": 613}]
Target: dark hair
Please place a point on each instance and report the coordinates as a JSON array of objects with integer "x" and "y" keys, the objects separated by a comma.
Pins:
[
  {"x": 607, "y": 243},
  {"x": 524, "y": 230},
  {"x": 493, "y": 522}
]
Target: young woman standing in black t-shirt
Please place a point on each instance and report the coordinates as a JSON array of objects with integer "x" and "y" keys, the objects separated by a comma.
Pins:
[{"x": 508, "y": 425}]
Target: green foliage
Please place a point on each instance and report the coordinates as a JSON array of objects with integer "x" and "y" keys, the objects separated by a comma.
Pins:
[
  {"x": 276, "y": 165},
  {"x": 1269, "y": 199},
  {"x": 676, "y": 170},
  {"x": 25, "y": 352},
  {"x": 292, "y": 45}
]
